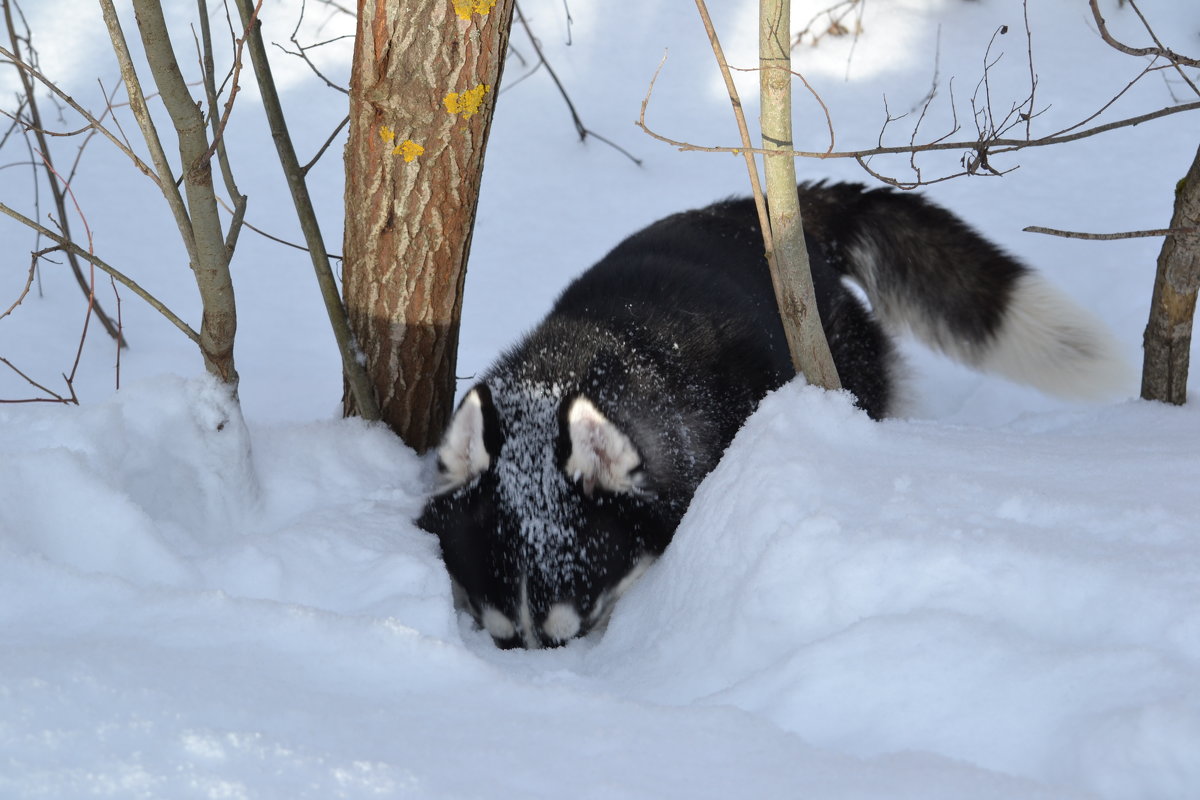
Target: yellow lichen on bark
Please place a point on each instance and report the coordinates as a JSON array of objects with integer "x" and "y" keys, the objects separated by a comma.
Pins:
[
  {"x": 465, "y": 8},
  {"x": 409, "y": 149},
  {"x": 466, "y": 104}
]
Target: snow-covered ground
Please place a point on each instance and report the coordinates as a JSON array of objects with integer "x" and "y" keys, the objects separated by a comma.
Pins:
[{"x": 997, "y": 596}]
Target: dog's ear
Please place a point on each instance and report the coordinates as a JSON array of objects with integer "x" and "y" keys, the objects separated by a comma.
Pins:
[
  {"x": 472, "y": 441},
  {"x": 598, "y": 453}
]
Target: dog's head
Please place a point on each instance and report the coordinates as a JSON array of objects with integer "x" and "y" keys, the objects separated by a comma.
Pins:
[{"x": 546, "y": 512}]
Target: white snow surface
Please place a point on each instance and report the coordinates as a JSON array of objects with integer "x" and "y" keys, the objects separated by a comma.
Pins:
[{"x": 996, "y": 596}]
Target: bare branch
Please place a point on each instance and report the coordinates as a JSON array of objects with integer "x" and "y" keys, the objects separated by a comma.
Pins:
[
  {"x": 1108, "y": 237},
  {"x": 219, "y": 128},
  {"x": 337, "y": 7},
  {"x": 992, "y": 137},
  {"x": 54, "y": 397},
  {"x": 90, "y": 132},
  {"x": 580, "y": 128},
  {"x": 355, "y": 372},
  {"x": 302, "y": 50},
  {"x": 141, "y": 112},
  {"x": 812, "y": 91},
  {"x": 1033, "y": 80},
  {"x": 200, "y": 223},
  {"x": 132, "y": 285},
  {"x": 321, "y": 150},
  {"x": 28, "y": 280},
  {"x": 995, "y": 146},
  {"x": 747, "y": 150},
  {"x": 834, "y": 24},
  {"x": 272, "y": 237},
  {"x": 1157, "y": 51},
  {"x": 210, "y": 89},
  {"x": 94, "y": 123},
  {"x": 59, "y": 186}
]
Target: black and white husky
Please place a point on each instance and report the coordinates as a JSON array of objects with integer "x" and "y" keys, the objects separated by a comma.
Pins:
[{"x": 566, "y": 470}]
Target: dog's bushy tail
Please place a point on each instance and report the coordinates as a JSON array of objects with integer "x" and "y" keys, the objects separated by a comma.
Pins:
[{"x": 926, "y": 271}]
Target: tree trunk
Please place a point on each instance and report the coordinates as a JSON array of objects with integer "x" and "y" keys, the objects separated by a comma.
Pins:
[
  {"x": 201, "y": 225},
  {"x": 790, "y": 270},
  {"x": 422, "y": 90},
  {"x": 1168, "y": 336}
]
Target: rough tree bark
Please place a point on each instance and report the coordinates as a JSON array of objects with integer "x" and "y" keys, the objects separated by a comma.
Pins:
[
  {"x": 786, "y": 250},
  {"x": 422, "y": 89},
  {"x": 1168, "y": 336}
]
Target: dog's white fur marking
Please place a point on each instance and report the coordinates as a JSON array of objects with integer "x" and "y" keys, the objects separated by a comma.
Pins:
[
  {"x": 601, "y": 455},
  {"x": 1050, "y": 343},
  {"x": 495, "y": 623},
  {"x": 562, "y": 622},
  {"x": 639, "y": 569},
  {"x": 603, "y": 610},
  {"x": 528, "y": 634},
  {"x": 462, "y": 452}
]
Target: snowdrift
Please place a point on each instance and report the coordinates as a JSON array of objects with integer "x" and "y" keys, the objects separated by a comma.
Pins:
[{"x": 850, "y": 609}]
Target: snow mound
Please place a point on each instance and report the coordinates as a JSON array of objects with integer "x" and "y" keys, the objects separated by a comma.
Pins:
[{"x": 1014, "y": 599}]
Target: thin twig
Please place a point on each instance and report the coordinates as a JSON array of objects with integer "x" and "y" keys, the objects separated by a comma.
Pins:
[
  {"x": 272, "y": 237},
  {"x": 991, "y": 140},
  {"x": 33, "y": 261},
  {"x": 834, "y": 27},
  {"x": 302, "y": 50},
  {"x": 328, "y": 141},
  {"x": 1108, "y": 237},
  {"x": 61, "y": 189},
  {"x": 355, "y": 372},
  {"x": 338, "y": 7},
  {"x": 1108, "y": 104},
  {"x": 120, "y": 326},
  {"x": 59, "y": 185},
  {"x": 219, "y": 129},
  {"x": 94, "y": 123},
  {"x": 580, "y": 128},
  {"x": 1033, "y": 80},
  {"x": 570, "y": 21},
  {"x": 103, "y": 266},
  {"x": 92, "y": 303},
  {"x": 54, "y": 397},
  {"x": 996, "y": 146},
  {"x": 1158, "y": 51},
  {"x": 91, "y": 132},
  {"x": 141, "y": 112},
  {"x": 813, "y": 92},
  {"x": 208, "y": 69},
  {"x": 747, "y": 150}
]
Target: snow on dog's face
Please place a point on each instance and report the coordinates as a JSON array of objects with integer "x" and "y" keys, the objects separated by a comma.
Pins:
[{"x": 541, "y": 512}]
